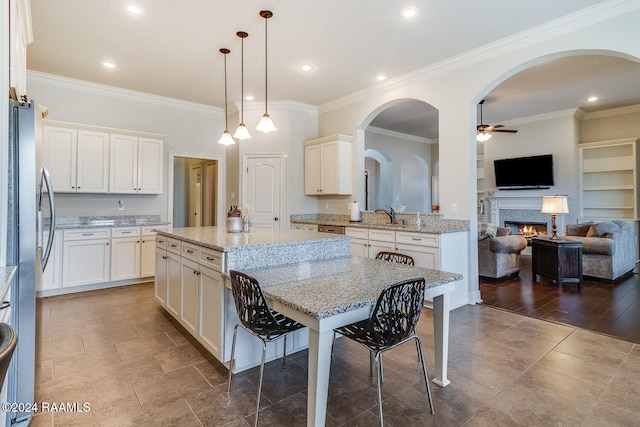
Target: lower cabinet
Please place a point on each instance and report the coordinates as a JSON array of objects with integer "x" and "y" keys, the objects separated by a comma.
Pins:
[
  {"x": 125, "y": 254},
  {"x": 174, "y": 284},
  {"x": 190, "y": 293},
  {"x": 52, "y": 275},
  {"x": 161, "y": 273},
  {"x": 211, "y": 311},
  {"x": 86, "y": 257}
]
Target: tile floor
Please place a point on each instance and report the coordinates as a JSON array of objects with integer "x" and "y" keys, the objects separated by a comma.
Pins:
[{"x": 118, "y": 351}]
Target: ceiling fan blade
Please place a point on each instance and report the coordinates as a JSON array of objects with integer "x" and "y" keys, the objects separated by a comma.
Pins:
[
  {"x": 497, "y": 126},
  {"x": 503, "y": 130}
]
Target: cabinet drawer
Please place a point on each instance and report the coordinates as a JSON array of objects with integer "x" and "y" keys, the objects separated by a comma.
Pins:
[
  {"x": 190, "y": 251},
  {"x": 382, "y": 235},
  {"x": 174, "y": 245},
  {"x": 211, "y": 259},
  {"x": 147, "y": 230},
  {"x": 161, "y": 242},
  {"x": 125, "y": 232},
  {"x": 421, "y": 239},
  {"x": 87, "y": 233},
  {"x": 358, "y": 233}
]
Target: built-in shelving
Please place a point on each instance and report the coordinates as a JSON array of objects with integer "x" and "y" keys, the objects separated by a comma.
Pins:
[{"x": 609, "y": 179}]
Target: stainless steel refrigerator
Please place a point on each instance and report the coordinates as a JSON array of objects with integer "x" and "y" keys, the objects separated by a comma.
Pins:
[{"x": 27, "y": 196}]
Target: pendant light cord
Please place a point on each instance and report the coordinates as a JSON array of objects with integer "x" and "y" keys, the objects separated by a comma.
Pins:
[
  {"x": 242, "y": 80},
  {"x": 265, "y": 65},
  {"x": 226, "y": 120}
]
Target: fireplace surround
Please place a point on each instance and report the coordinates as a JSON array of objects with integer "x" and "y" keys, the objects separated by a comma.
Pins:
[{"x": 501, "y": 210}]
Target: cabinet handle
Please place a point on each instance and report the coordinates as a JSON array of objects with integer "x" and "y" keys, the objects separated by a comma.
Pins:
[
  {"x": 210, "y": 259},
  {"x": 416, "y": 238},
  {"x": 5, "y": 304},
  {"x": 73, "y": 186},
  {"x": 138, "y": 242},
  {"x": 174, "y": 245},
  {"x": 87, "y": 234},
  {"x": 78, "y": 187},
  {"x": 189, "y": 251},
  {"x": 107, "y": 244},
  {"x": 125, "y": 232}
]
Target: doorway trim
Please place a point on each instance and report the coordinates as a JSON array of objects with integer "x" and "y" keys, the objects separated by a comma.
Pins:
[
  {"x": 243, "y": 191},
  {"x": 221, "y": 183}
]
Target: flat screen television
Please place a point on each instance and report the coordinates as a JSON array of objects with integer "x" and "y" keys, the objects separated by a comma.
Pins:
[{"x": 524, "y": 173}]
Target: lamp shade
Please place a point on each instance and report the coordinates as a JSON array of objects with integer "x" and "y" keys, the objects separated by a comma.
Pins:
[
  {"x": 555, "y": 205},
  {"x": 483, "y": 136},
  {"x": 226, "y": 139},
  {"x": 266, "y": 124}
]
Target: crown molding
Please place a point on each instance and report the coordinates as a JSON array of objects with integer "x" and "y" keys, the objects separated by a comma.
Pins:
[
  {"x": 574, "y": 21},
  {"x": 570, "y": 112},
  {"x": 629, "y": 109},
  {"x": 400, "y": 135},
  {"x": 284, "y": 105},
  {"x": 115, "y": 92}
]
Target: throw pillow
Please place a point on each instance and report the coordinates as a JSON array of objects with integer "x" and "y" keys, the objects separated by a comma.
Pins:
[
  {"x": 486, "y": 230},
  {"x": 502, "y": 231},
  {"x": 606, "y": 227},
  {"x": 624, "y": 225},
  {"x": 592, "y": 231},
  {"x": 578, "y": 229}
]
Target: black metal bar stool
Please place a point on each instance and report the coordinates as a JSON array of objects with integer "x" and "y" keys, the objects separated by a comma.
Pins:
[
  {"x": 395, "y": 257},
  {"x": 8, "y": 341},
  {"x": 259, "y": 320}
]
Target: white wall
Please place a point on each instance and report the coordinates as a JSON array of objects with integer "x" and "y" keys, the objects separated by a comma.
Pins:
[
  {"x": 455, "y": 87},
  {"x": 190, "y": 129},
  {"x": 611, "y": 124}
]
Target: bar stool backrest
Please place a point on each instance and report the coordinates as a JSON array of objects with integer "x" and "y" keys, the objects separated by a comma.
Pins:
[
  {"x": 8, "y": 341},
  {"x": 251, "y": 305}
]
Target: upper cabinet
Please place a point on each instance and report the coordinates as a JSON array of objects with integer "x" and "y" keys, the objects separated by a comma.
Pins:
[
  {"x": 327, "y": 166},
  {"x": 609, "y": 179},
  {"x": 136, "y": 165},
  {"x": 20, "y": 35},
  {"x": 85, "y": 159}
]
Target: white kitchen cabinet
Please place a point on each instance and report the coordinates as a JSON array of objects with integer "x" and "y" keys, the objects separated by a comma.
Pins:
[
  {"x": 52, "y": 277},
  {"x": 161, "y": 274},
  {"x": 125, "y": 253},
  {"x": 381, "y": 241},
  {"x": 86, "y": 257},
  {"x": 327, "y": 166},
  {"x": 422, "y": 247},
  {"x": 174, "y": 284},
  {"x": 136, "y": 165},
  {"x": 190, "y": 294},
  {"x": 211, "y": 310},
  {"x": 77, "y": 160},
  {"x": 359, "y": 245},
  {"x": 147, "y": 249},
  {"x": 306, "y": 227}
]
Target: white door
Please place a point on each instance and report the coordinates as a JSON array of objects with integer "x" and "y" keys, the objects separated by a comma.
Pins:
[
  {"x": 263, "y": 191},
  {"x": 195, "y": 196}
]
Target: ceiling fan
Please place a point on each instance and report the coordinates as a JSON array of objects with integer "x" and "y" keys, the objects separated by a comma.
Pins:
[{"x": 483, "y": 131}]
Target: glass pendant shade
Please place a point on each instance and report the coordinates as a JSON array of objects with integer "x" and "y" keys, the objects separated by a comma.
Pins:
[
  {"x": 242, "y": 132},
  {"x": 266, "y": 124},
  {"x": 226, "y": 138},
  {"x": 483, "y": 137}
]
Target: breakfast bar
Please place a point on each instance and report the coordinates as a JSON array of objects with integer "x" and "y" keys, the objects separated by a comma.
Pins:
[{"x": 305, "y": 275}]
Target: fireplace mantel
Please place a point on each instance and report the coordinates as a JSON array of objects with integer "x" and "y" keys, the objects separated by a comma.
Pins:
[{"x": 531, "y": 204}]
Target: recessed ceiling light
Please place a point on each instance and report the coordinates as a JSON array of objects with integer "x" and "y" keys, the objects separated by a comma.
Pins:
[
  {"x": 307, "y": 68},
  {"x": 409, "y": 13},
  {"x": 592, "y": 98},
  {"x": 249, "y": 98},
  {"x": 381, "y": 78},
  {"x": 109, "y": 65},
  {"x": 134, "y": 9}
]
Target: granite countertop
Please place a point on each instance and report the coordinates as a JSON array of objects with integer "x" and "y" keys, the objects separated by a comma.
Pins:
[
  {"x": 217, "y": 237},
  {"x": 324, "y": 288},
  {"x": 7, "y": 274},
  {"x": 429, "y": 223},
  {"x": 106, "y": 221}
]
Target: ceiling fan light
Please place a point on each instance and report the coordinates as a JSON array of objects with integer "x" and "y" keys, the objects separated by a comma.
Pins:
[
  {"x": 242, "y": 132},
  {"x": 266, "y": 125},
  {"x": 483, "y": 137},
  {"x": 226, "y": 138}
]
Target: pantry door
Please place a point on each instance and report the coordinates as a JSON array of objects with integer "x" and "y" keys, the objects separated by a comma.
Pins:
[{"x": 263, "y": 190}]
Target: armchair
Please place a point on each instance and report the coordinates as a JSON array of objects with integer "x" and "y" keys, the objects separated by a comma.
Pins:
[{"x": 499, "y": 252}]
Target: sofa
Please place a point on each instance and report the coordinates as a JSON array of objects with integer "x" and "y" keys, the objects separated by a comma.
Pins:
[
  {"x": 609, "y": 249},
  {"x": 498, "y": 252}
]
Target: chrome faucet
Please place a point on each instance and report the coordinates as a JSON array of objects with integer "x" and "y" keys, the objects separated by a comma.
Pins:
[{"x": 390, "y": 212}]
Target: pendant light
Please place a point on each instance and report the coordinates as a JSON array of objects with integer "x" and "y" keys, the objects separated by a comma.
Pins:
[
  {"x": 226, "y": 138},
  {"x": 242, "y": 132},
  {"x": 266, "y": 124}
]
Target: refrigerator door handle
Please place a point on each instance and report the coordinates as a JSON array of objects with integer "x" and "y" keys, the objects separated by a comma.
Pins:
[{"x": 44, "y": 179}]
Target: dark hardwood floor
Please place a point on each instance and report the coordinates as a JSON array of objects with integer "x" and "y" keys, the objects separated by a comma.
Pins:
[{"x": 609, "y": 308}]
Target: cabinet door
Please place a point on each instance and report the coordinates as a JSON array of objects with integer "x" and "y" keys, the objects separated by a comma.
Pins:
[
  {"x": 359, "y": 247},
  {"x": 174, "y": 284},
  {"x": 147, "y": 256},
  {"x": 297, "y": 227},
  {"x": 150, "y": 165},
  {"x": 85, "y": 262},
  {"x": 161, "y": 276},
  {"x": 92, "y": 170},
  {"x": 123, "y": 176},
  {"x": 125, "y": 258},
  {"x": 210, "y": 326},
  {"x": 376, "y": 246},
  {"x": 312, "y": 170},
  {"x": 423, "y": 256},
  {"x": 329, "y": 162},
  {"x": 51, "y": 277},
  {"x": 59, "y": 150},
  {"x": 190, "y": 292}
]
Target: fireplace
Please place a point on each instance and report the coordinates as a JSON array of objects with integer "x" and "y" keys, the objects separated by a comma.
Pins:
[{"x": 527, "y": 229}]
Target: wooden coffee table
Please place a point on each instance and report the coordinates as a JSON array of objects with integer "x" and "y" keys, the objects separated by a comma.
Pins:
[{"x": 558, "y": 260}]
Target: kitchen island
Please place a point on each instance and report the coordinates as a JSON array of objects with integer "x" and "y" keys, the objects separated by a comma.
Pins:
[{"x": 328, "y": 291}]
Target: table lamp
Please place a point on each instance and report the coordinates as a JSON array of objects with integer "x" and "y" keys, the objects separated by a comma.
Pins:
[{"x": 554, "y": 205}]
